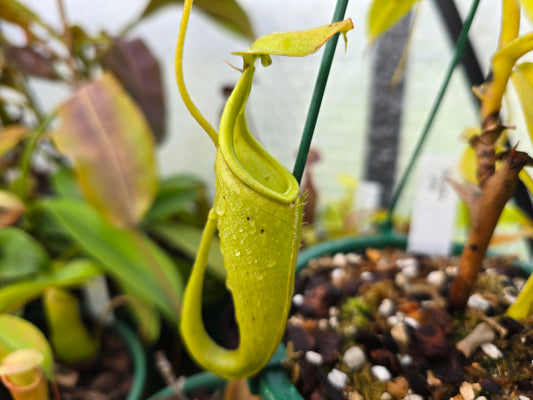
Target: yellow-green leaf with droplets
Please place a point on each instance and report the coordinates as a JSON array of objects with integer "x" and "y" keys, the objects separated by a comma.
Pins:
[
  {"x": 383, "y": 14},
  {"x": 522, "y": 78},
  {"x": 296, "y": 43}
]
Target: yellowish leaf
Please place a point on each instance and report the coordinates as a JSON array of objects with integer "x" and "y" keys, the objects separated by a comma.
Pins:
[
  {"x": 383, "y": 14},
  {"x": 296, "y": 43},
  {"x": 10, "y": 137},
  {"x": 522, "y": 78},
  {"x": 110, "y": 142},
  {"x": 467, "y": 165},
  {"x": 528, "y": 8},
  {"x": 526, "y": 180}
]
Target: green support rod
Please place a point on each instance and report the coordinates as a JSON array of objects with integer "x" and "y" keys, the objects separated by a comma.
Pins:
[
  {"x": 461, "y": 42},
  {"x": 318, "y": 94}
]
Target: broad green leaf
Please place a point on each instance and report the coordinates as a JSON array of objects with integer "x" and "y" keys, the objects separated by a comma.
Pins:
[
  {"x": 225, "y": 12},
  {"x": 383, "y": 14},
  {"x": 10, "y": 137},
  {"x": 72, "y": 274},
  {"x": 11, "y": 208},
  {"x": 296, "y": 43},
  {"x": 178, "y": 195},
  {"x": 110, "y": 142},
  {"x": 20, "y": 254},
  {"x": 17, "y": 333},
  {"x": 64, "y": 183},
  {"x": 186, "y": 238},
  {"x": 522, "y": 78},
  {"x": 125, "y": 254},
  {"x": 132, "y": 62}
]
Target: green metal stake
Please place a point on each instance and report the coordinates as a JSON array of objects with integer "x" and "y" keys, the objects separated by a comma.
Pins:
[
  {"x": 318, "y": 94},
  {"x": 461, "y": 42}
]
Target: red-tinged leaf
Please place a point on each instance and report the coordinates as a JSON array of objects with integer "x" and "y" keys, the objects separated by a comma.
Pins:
[
  {"x": 112, "y": 148},
  {"x": 10, "y": 137},
  {"x": 30, "y": 62},
  {"x": 138, "y": 71},
  {"x": 226, "y": 12}
]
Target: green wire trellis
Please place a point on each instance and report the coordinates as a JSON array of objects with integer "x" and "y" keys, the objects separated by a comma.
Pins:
[{"x": 458, "y": 53}]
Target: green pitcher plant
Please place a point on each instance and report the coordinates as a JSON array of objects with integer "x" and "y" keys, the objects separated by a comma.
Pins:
[{"x": 258, "y": 213}]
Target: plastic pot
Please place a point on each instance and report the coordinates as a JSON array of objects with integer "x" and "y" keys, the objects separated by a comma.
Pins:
[{"x": 272, "y": 383}]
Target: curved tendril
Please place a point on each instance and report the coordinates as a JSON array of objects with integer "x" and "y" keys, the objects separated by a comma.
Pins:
[{"x": 195, "y": 112}]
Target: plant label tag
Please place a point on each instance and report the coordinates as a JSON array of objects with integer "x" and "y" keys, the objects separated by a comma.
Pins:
[
  {"x": 96, "y": 294},
  {"x": 434, "y": 208}
]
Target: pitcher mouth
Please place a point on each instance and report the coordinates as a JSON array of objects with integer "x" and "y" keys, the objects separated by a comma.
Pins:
[{"x": 245, "y": 156}]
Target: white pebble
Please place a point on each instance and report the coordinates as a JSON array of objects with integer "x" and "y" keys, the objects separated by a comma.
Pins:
[
  {"x": 467, "y": 391},
  {"x": 451, "y": 270},
  {"x": 386, "y": 396},
  {"x": 314, "y": 358},
  {"x": 354, "y": 358},
  {"x": 406, "y": 360},
  {"x": 334, "y": 322},
  {"x": 437, "y": 278},
  {"x": 477, "y": 302},
  {"x": 334, "y": 311},
  {"x": 401, "y": 280},
  {"x": 323, "y": 324},
  {"x": 354, "y": 258},
  {"x": 337, "y": 378},
  {"x": 413, "y": 396},
  {"x": 491, "y": 350},
  {"x": 381, "y": 373},
  {"x": 298, "y": 300},
  {"x": 407, "y": 262},
  {"x": 338, "y": 276},
  {"x": 393, "y": 320},
  {"x": 522, "y": 397},
  {"x": 400, "y": 335},
  {"x": 367, "y": 276},
  {"x": 413, "y": 323},
  {"x": 386, "y": 308},
  {"x": 339, "y": 260},
  {"x": 411, "y": 271},
  {"x": 481, "y": 398}
]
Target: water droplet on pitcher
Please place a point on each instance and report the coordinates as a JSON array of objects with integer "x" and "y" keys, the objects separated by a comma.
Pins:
[
  {"x": 220, "y": 208},
  {"x": 237, "y": 253}
]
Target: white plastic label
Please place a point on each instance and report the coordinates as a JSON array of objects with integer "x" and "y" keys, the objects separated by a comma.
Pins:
[{"x": 434, "y": 208}]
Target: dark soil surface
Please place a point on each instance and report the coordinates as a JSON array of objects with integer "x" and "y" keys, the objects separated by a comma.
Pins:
[
  {"x": 376, "y": 326},
  {"x": 108, "y": 377}
]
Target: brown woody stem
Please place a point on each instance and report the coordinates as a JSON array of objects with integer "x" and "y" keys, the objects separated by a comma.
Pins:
[{"x": 485, "y": 210}]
